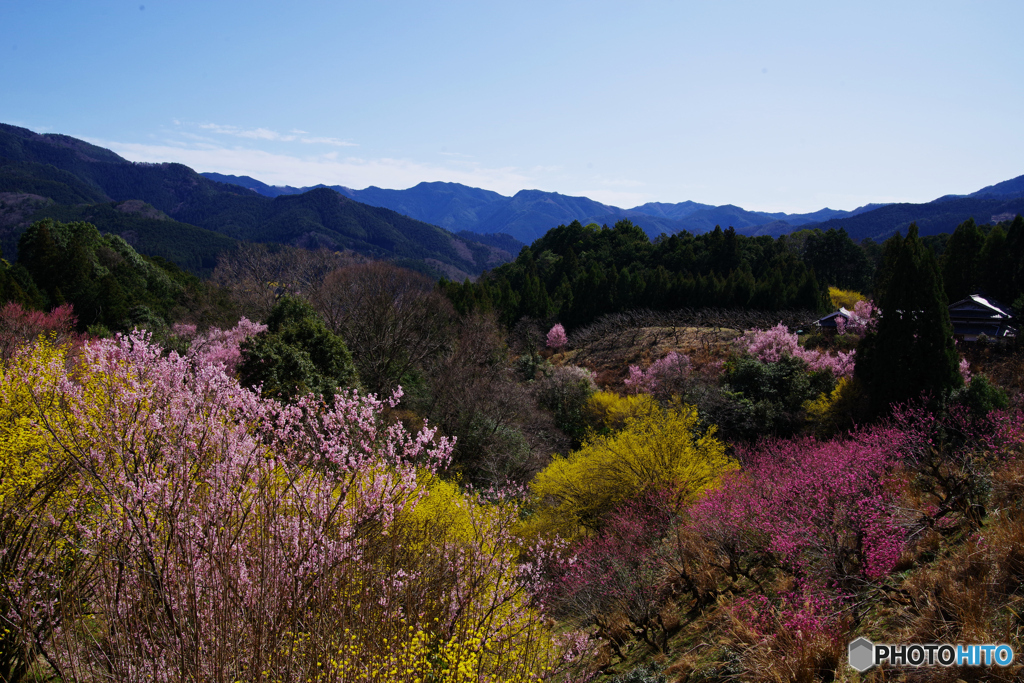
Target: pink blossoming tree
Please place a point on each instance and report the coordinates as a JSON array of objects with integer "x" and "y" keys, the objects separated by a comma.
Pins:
[
  {"x": 229, "y": 537},
  {"x": 663, "y": 375},
  {"x": 557, "y": 338}
]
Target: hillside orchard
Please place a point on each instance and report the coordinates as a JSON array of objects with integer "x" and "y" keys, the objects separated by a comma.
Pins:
[{"x": 322, "y": 468}]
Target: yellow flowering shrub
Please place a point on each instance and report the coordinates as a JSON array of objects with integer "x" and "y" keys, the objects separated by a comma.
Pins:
[
  {"x": 40, "y": 505},
  {"x": 609, "y": 411},
  {"x": 25, "y": 457},
  {"x": 460, "y": 612},
  {"x": 845, "y": 298},
  {"x": 662, "y": 449}
]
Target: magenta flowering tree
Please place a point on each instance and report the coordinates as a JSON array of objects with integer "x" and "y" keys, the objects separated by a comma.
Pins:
[
  {"x": 557, "y": 338},
  {"x": 809, "y": 613},
  {"x": 619, "y": 571},
  {"x": 952, "y": 454},
  {"x": 19, "y": 326},
  {"x": 822, "y": 510}
]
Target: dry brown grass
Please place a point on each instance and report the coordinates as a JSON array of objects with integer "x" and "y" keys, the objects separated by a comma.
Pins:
[
  {"x": 610, "y": 357},
  {"x": 1002, "y": 366},
  {"x": 974, "y": 593}
]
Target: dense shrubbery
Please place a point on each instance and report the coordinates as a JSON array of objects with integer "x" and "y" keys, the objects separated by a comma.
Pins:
[
  {"x": 804, "y": 540},
  {"x": 296, "y": 355},
  {"x": 564, "y": 390}
]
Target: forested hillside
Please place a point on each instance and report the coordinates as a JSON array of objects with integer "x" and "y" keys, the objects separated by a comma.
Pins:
[{"x": 577, "y": 273}]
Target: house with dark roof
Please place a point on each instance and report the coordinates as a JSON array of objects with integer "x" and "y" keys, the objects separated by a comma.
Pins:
[{"x": 976, "y": 316}]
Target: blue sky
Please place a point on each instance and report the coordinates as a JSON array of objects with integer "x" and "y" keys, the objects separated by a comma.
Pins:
[{"x": 775, "y": 106}]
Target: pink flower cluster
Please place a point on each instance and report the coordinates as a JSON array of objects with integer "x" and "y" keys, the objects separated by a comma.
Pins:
[
  {"x": 965, "y": 370},
  {"x": 673, "y": 367},
  {"x": 219, "y": 535},
  {"x": 216, "y": 347},
  {"x": 226, "y": 512},
  {"x": 771, "y": 345}
]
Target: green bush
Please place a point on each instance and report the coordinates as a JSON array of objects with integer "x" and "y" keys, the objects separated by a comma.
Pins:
[
  {"x": 297, "y": 355},
  {"x": 565, "y": 392},
  {"x": 980, "y": 396}
]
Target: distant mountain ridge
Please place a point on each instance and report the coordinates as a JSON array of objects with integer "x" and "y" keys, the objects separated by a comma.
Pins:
[
  {"x": 931, "y": 218},
  {"x": 529, "y": 214}
]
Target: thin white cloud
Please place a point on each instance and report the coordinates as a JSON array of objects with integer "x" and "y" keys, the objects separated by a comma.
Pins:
[
  {"x": 193, "y": 137},
  {"x": 295, "y": 135},
  {"x": 328, "y": 141},
  {"x": 286, "y": 169},
  {"x": 264, "y": 134},
  {"x": 250, "y": 134}
]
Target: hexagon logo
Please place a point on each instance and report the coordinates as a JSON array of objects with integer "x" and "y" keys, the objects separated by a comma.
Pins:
[{"x": 862, "y": 654}]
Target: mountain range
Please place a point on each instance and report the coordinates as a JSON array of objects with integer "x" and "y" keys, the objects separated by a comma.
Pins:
[
  {"x": 170, "y": 210},
  {"x": 529, "y": 214}
]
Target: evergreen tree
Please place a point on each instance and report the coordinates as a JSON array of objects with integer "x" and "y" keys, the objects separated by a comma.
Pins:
[
  {"x": 912, "y": 351},
  {"x": 39, "y": 254},
  {"x": 996, "y": 265},
  {"x": 961, "y": 262},
  {"x": 836, "y": 260},
  {"x": 297, "y": 355},
  {"x": 1015, "y": 255}
]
